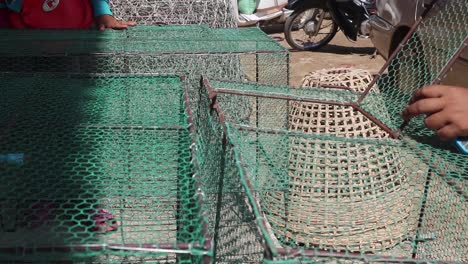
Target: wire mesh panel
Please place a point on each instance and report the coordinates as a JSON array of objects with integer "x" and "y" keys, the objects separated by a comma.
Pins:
[
  {"x": 232, "y": 54},
  {"x": 424, "y": 58},
  {"x": 98, "y": 169},
  {"x": 216, "y": 13},
  {"x": 326, "y": 195},
  {"x": 231, "y": 222}
]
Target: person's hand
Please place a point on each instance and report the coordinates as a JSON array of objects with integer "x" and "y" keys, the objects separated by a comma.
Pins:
[
  {"x": 446, "y": 108},
  {"x": 107, "y": 21}
]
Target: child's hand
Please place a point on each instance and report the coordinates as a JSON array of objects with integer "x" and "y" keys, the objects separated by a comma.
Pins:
[
  {"x": 104, "y": 22},
  {"x": 446, "y": 108}
]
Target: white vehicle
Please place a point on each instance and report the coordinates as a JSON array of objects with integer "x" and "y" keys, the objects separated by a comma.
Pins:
[{"x": 266, "y": 12}]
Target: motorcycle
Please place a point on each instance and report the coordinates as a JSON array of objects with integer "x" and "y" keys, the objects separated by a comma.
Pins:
[
  {"x": 267, "y": 12},
  {"x": 314, "y": 23}
]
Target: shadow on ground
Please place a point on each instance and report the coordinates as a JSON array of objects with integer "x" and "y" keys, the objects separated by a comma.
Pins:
[
  {"x": 329, "y": 48},
  {"x": 343, "y": 50}
]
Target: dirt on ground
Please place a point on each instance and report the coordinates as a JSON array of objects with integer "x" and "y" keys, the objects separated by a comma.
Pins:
[{"x": 340, "y": 52}]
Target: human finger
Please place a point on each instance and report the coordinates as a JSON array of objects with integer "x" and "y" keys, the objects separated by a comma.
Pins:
[
  {"x": 102, "y": 27},
  {"x": 119, "y": 25},
  {"x": 432, "y": 91},
  {"x": 437, "y": 121},
  {"x": 128, "y": 23},
  {"x": 448, "y": 132},
  {"x": 423, "y": 106}
]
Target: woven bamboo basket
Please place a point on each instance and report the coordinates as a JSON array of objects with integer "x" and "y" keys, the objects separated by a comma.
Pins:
[
  {"x": 355, "y": 79},
  {"x": 342, "y": 195},
  {"x": 333, "y": 119}
]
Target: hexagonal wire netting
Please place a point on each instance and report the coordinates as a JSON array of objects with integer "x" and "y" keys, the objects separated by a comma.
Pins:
[
  {"x": 104, "y": 159},
  {"x": 231, "y": 54},
  {"x": 93, "y": 148},
  {"x": 103, "y": 170},
  {"x": 215, "y": 13},
  {"x": 101, "y": 145},
  {"x": 312, "y": 182}
]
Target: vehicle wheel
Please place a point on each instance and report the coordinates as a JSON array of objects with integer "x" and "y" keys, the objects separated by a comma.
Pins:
[{"x": 309, "y": 29}]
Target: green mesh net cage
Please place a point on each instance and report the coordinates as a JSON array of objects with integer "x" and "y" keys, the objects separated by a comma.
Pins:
[
  {"x": 107, "y": 156},
  {"x": 103, "y": 170},
  {"x": 325, "y": 174},
  {"x": 191, "y": 50}
]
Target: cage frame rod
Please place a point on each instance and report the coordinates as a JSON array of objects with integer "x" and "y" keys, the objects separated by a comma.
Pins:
[
  {"x": 353, "y": 105},
  {"x": 209, "y": 243}
]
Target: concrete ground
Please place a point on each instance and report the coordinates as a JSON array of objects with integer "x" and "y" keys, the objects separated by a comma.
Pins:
[{"x": 340, "y": 52}]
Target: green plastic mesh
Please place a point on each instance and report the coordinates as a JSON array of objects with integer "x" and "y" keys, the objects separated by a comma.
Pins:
[
  {"x": 114, "y": 143},
  {"x": 231, "y": 222},
  {"x": 192, "y": 50},
  {"x": 423, "y": 58},
  {"x": 234, "y": 172}
]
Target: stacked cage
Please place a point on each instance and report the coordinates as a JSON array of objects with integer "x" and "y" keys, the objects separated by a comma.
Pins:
[
  {"x": 323, "y": 173},
  {"x": 96, "y": 143},
  {"x": 215, "y": 13}
]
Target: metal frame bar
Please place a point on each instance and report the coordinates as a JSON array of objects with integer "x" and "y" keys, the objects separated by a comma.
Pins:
[
  {"x": 212, "y": 94},
  {"x": 298, "y": 133},
  {"x": 353, "y": 105},
  {"x": 209, "y": 243},
  {"x": 155, "y": 53},
  {"x": 422, "y": 212},
  {"x": 179, "y": 248}
]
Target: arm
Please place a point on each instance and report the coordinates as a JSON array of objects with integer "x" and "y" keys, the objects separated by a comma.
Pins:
[
  {"x": 104, "y": 18},
  {"x": 446, "y": 108},
  {"x": 101, "y": 7}
]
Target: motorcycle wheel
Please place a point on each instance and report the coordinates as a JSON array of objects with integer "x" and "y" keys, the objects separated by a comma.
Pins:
[{"x": 301, "y": 32}]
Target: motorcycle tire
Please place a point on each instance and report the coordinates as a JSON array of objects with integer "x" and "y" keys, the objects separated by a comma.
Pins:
[{"x": 309, "y": 46}]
